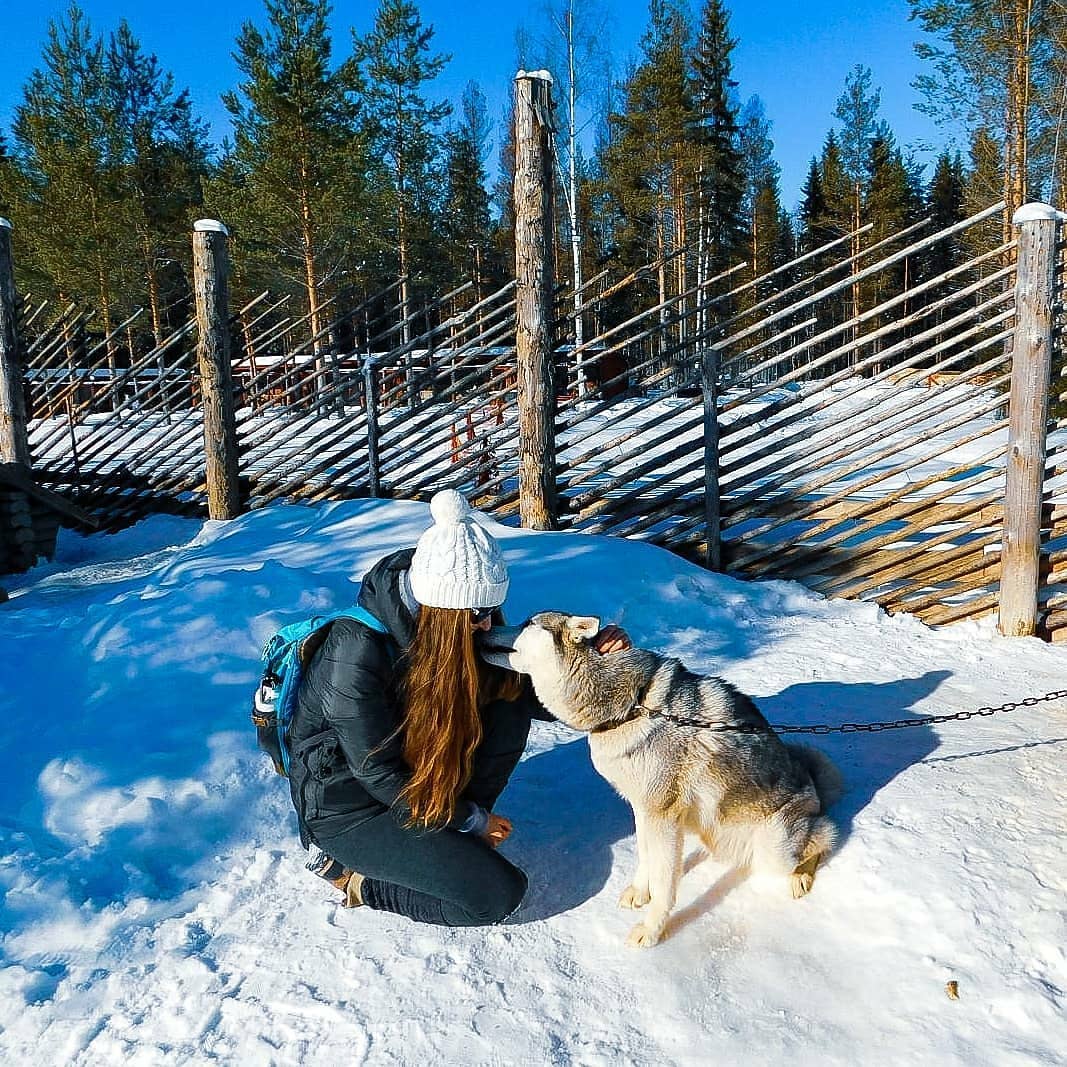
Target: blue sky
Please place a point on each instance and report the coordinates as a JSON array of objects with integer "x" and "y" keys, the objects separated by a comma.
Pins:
[{"x": 794, "y": 56}]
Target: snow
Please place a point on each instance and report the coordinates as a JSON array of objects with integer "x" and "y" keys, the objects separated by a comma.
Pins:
[
  {"x": 1036, "y": 212},
  {"x": 210, "y": 226},
  {"x": 156, "y": 909}
]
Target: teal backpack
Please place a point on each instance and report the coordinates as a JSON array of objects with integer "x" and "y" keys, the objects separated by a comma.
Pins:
[{"x": 285, "y": 658}]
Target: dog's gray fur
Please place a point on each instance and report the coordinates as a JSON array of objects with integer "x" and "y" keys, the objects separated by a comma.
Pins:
[{"x": 753, "y": 800}]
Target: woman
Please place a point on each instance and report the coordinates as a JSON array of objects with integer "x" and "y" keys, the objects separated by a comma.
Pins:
[{"x": 401, "y": 742}]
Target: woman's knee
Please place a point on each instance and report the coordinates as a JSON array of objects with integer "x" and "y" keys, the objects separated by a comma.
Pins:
[
  {"x": 516, "y": 892},
  {"x": 506, "y": 896}
]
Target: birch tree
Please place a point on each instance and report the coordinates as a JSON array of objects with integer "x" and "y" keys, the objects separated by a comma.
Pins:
[{"x": 576, "y": 52}]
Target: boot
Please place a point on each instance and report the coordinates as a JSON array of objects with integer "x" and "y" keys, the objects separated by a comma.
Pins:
[
  {"x": 337, "y": 874},
  {"x": 354, "y": 890}
]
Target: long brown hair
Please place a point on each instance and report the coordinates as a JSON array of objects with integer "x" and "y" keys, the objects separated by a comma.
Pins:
[{"x": 443, "y": 685}]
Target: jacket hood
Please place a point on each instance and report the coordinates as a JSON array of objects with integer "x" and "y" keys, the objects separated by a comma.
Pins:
[{"x": 380, "y": 595}]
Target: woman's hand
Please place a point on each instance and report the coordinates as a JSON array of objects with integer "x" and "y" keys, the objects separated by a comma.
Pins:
[
  {"x": 612, "y": 639},
  {"x": 498, "y": 830}
]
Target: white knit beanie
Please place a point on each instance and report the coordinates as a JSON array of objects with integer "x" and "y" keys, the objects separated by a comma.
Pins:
[{"x": 457, "y": 563}]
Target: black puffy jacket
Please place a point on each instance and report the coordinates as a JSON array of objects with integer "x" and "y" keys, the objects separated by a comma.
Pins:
[{"x": 347, "y": 761}]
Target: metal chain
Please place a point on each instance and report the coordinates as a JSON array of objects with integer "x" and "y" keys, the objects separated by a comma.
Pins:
[{"x": 852, "y": 727}]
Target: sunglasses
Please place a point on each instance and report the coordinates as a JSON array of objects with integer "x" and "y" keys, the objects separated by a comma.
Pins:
[{"x": 481, "y": 614}]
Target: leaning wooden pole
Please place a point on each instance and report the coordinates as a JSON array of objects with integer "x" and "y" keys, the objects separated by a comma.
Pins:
[
  {"x": 211, "y": 268},
  {"x": 534, "y": 275},
  {"x": 709, "y": 375},
  {"x": 1038, "y": 226},
  {"x": 14, "y": 442}
]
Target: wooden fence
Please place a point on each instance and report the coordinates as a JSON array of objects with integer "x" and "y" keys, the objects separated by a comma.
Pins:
[{"x": 744, "y": 422}]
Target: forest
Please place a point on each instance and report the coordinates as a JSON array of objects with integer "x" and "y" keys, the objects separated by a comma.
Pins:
[{"x": 345, "y": 175}]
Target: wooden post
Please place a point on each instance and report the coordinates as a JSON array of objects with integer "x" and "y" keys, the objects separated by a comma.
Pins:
[
  {"x": 14, "y": 442},
  {"x": 370, "y": 396},
  {"x": 534, "y": 275},
  {"x": 211, "y": 270},
  {"x": 709, "y": 375},
  {"x": 1031, "y": 368}
]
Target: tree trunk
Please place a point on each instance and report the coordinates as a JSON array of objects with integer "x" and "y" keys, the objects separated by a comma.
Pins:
[
  {"x": 534, "y": 262},
  {"x": 152, "y": 280}
]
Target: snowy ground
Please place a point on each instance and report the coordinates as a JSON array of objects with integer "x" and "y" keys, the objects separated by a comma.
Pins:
[{"x": 156, "y": 910}]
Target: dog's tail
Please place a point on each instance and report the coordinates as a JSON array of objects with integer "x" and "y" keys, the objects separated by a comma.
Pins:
[{"x": 824, "y": 773}]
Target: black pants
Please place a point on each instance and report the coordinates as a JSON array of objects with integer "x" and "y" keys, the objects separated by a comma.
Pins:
[{"x": 443, "y": 876}]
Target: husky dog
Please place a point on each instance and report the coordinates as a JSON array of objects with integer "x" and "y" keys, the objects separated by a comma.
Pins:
[{"x": 753, "y": 800}]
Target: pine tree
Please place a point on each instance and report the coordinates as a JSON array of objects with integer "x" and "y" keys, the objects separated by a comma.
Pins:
[
  {"x": 826, "y": 199},
  {"x": 69, "y": 146},
  {"x": 720, "y": 172},
  {"x": 889, "y": 205},
  {"x": 11, "y": 185},
  {"x": 503, "y": 201},
  {"x": 295, "y": 182},
  {"x": 813, "y": 215},
  {"x": 396, "y": 63},
  {"x": 761, "y": 203},
  {"x": 857, "y": 111},
  {"x": 164, "y": 161},
  {"x": 648, "y": 163},
  {"x": 944, "y": 204},
  {"x": 982, "y": 186},
  {"x": 995, "y": 70},
  {"x": 466, "y": 224},
  {"x": 825, "y": 216}
]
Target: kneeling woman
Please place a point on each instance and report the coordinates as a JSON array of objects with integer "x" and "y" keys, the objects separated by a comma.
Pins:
[{"x": 401, "y": 742}]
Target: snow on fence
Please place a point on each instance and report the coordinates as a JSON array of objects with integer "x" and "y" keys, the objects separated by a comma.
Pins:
[{"x": 737, "y": 422}]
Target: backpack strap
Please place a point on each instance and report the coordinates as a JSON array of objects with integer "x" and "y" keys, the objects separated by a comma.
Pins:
[
  {"x": 317, "y": 638},
  {"x": 361, "y": 614}
]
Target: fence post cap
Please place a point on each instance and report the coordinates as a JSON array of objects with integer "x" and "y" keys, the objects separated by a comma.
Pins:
[
  {"x": 210, "y": 226},
  {"x": 5, "y": 224},
  {"x": 1036, "y": 212},
  {"x": 539, "y": 75}
]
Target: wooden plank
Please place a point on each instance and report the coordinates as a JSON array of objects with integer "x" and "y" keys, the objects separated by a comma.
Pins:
[
  {"x": 968, "y": 572},
  {"x": 869, "y": 571},
  {"x": 918, "y": 343},
  {"x": 977, "y": 608},
  {"x": 856, "y": 277},
  {"x": 1054, "y": 626},
  {"x": 18, "y": 476},
  {"x": 750, "y": 508},
  {"x": 842, "y": 439},
  {"x": 895, "y": 326}
]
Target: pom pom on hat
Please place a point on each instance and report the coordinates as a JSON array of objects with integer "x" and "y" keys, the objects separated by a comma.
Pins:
[
  {"x": 457, "y": 563},
  {"x": 449, "y": 506}
]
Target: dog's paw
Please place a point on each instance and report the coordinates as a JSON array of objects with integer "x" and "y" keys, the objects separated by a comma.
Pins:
[
  {"x": 803, "y": 876},
  {"x": 643, "y": 936},
  {"x": 634, "y": 897}
]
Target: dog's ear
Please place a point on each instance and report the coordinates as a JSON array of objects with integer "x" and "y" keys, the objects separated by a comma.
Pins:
[{"x": 580, "y": 628}]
